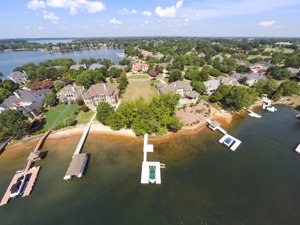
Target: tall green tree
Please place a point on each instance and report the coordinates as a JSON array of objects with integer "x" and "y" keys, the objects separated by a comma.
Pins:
[{"x": 12, "y": 124}]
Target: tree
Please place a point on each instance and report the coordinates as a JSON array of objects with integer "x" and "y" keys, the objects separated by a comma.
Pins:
[
  {"x": 174, "y": 124},
  {"x": 50, "y": 99},
  {"x": 114, "y": 72},
  {"x": 123, "y": 83},
  {"x": 104, "y": 113},
  {"x": 175, "y": 75},
  {"x": 198, "y": 86},
  {"x": 241, "y": 69},
  {"x": 3, "y": 94},
  {"x": 12, "y": 124},
  {"x": 289, "y": 88},
  {"x": 70, "y": 121},
  {"x": 117, "y": 121},
  {"x": 240, "y": 97},
  {"x": 278, "y": 73},
  {"x": 266, "y": 86}
]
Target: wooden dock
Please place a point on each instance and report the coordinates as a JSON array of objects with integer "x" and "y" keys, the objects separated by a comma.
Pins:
[
  {"x": 33, "y": 172},
  {"x": 29, "y": 176}
]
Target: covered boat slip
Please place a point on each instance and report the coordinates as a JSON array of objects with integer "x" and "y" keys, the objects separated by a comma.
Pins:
[{"x": 77, "y": 166}]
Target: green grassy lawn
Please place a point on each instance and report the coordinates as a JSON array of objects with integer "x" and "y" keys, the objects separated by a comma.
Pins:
[
  {"x": 55, "y": 116},
  {"x": 139, "y": 88},
  {"x": 255, "y": 56},
  {"x": 277, "y": 49},
  {"x": 138, "y": 77},
  {"x": 84, "y": 117}
]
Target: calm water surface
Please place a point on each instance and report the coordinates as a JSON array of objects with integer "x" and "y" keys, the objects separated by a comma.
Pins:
[
  {"x": 204, "y": 182},
  {"x": 13, "y": 59}
]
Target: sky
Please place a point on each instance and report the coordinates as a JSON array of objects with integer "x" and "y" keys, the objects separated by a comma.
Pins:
[{"x": 119, "y": 18}]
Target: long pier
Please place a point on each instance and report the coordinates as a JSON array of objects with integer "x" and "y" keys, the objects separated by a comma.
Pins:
[
  {"x": 79, "y": 160},
  {"x": 23, "y": 181}
]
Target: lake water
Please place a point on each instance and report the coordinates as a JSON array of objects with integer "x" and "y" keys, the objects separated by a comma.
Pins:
[
  {"x": 13, "y": 59},
  {"x": 204, "y": 182}
]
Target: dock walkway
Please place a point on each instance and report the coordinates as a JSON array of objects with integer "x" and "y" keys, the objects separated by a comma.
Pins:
[
  {"x": 79, "y": 160},
  {"x": 230, "y": 141}
]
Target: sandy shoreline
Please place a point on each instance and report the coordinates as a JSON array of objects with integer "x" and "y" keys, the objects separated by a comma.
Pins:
[{"x": 98, "y": 128}]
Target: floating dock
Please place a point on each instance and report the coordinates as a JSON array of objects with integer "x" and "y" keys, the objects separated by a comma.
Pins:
[
  {"x": 79, "y": 160},
  {"x": 251, "y": 113},
  {"x": 21, "y": 184},
  {"x": 150, "y": 170},
  {"x": 23, "y": 181},
  {"x": 228, "y": 140}
]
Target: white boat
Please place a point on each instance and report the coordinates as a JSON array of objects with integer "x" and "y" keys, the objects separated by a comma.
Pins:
[
  {"x": 271, "y": 109},
  {"x": 298, "y": 149}
]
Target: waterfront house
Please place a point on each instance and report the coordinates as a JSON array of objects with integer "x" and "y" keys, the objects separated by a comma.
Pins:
[
  {"x": 183, "y": 88},
  {"x": 259, "y": 67},
  {"x": 211, "y": 86},
  {"x": 27, "y": 102},
  {"x": 70, "y": 93},
  {"x": 139, "y": 67},
  {"x": 101, "y": 92},
  {"x": 78, "y": 67},
  {"x": 18, "y": 77},
  {"x": 95, "y": 66}
]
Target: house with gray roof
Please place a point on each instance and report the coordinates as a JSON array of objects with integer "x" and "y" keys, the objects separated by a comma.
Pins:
[
  {"x": 211, "y": 86},
  {"x": 78, "y": 67},
  {"x": 70, "y": 93},
  {"x": 228, "y": 81},
  {"x": 293, "y": 71},
  {"x": 27, "y": 102},
  {"x": 183, "y": 88},
  {"x": 259, "y": 67},
  {"x": 251, "y": 78},
  {"x": 101, "y": 92},
  {"x": 18, "y": 77},
  {"x": 95, "y": 66}
]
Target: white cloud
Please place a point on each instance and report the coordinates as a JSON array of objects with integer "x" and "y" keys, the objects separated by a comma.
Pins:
[
  {"x": 73, "y": 11},
  {"x": 126, "y": 11},
  {"x": 76, "y": 5},
  {"x": 36, "y": 4},
  {"x": 50, "y": 16},
  {"x": 186, "y": 20},
  {"x": 27, "y": 27},
  {"x": 115, "y": 21},
  {"x": 40, "y": 28},
  {"x": 168, "y": 12},
  {"x": 267, "y": 23},
  {"x": 221, "y": 9},
  {"x": 146, "y": 13}
]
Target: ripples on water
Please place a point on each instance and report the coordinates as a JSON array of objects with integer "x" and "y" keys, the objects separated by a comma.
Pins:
[{"x": 204, "y": 182}]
